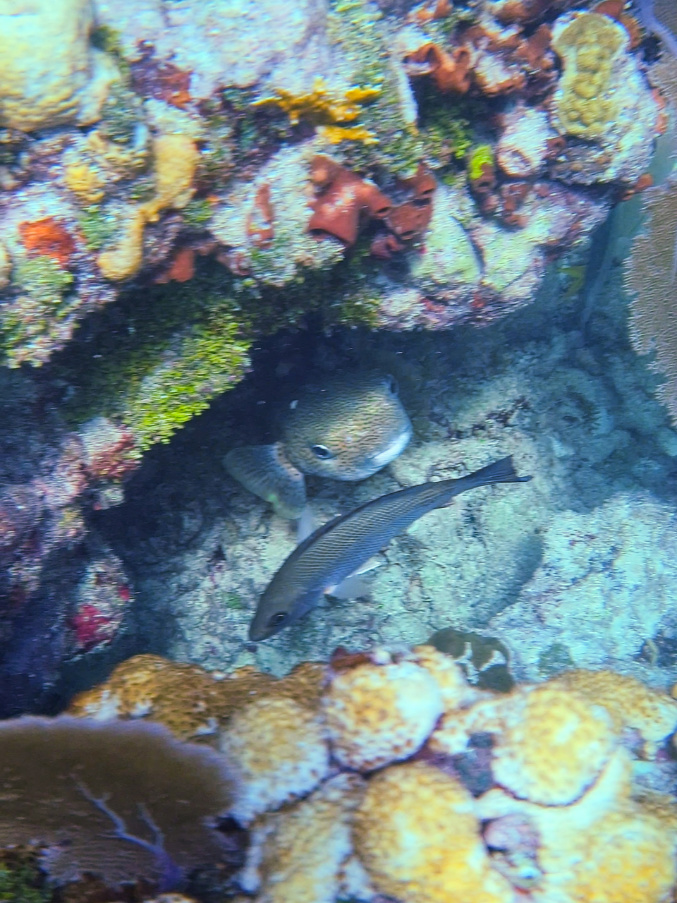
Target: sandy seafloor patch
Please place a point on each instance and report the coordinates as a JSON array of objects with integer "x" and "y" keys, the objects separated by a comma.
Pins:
[{"x": 576, "y": 568}]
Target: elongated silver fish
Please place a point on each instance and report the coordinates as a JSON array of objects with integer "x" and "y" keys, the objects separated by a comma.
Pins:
[{"x": 342, "y": 545}]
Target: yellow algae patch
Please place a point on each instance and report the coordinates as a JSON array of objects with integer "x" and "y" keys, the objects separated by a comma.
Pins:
[
  {"x": 175, "y": 157},
  {"x": 334, "y": 134},
  {"x": 331, "y": 112},
  {"x": 418, "y": 837},
  {"x": 124, "y": 259}
]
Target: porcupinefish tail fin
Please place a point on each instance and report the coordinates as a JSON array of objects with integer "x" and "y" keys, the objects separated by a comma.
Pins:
[{"x": 266, "y": 471}]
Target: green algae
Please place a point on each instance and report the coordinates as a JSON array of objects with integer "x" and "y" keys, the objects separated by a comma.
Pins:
[
  {"x": 197, "y": 213},
  {"x": 32, "y": 323},
  {"x": 41, "y": 277},
  {"x": 234, "y": 601},
  {"x": 97, "y": 226},
  {"x": 479, "y": 157},
  {"x": 21, "y": 881},
  {"x": 179, "y": 349},
  {"x": 120, "y": 114},
  {"x": 109, "y": 40},
  {"x": 182, "y": 345},
  {"x": 203, "y": 363},
  {"x": 446, "y": 130},
  {"x": 554, "y": 660}
]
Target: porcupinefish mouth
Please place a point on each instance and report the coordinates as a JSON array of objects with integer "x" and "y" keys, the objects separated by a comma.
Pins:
[{"x": 395, "y": 448}]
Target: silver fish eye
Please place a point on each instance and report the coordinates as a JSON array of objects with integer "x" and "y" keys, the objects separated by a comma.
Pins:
[
  {"x": 391, "y": 383},
  {"x": 321, "y": 451},
  {"x": 278, "y": 618}
]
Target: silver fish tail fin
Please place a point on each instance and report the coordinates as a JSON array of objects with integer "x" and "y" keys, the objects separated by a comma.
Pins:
[{"x": 502, "y": 471}]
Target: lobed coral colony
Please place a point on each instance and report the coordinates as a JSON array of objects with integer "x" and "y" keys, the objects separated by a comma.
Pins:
[{"x": 389, "y": 776}]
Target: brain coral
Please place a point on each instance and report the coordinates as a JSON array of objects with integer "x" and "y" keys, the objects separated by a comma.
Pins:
[
  {"x": 628, "y": 701},
  {"x": 418, "y": 838},
  {"x": 278, "y": 751},
  {"x": 187, "y": 699},
  {"x": 588, "y": 96},
  {"x": 551, "y": 745},
  {"x": 531, "y": 794},
  {"x": 315, "y": 833},
  {"x": 377, "y": 714},
  {"x": 49, "y": 73}
]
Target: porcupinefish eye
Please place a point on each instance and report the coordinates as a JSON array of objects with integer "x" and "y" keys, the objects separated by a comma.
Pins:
[
  {"x": 278, "y": 618},
  {"x": 321, "y": 451}
]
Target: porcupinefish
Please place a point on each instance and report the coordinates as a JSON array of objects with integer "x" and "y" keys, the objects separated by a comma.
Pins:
[
  {"x": 335, "y": 551},
  {"x": 345, "y": 428}
]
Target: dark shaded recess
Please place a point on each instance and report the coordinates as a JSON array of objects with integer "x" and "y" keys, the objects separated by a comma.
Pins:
[
  {"x": 35, "y": 640},
  {"x": 186, "y": 474}
]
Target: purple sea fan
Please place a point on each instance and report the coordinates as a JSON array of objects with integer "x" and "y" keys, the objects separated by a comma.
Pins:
[
  {"x": 120, "y": 800},
  {"x": 651, "y": 267}
]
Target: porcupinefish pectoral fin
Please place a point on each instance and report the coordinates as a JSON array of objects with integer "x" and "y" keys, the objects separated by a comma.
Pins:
[{"x": 266, "y": 471}]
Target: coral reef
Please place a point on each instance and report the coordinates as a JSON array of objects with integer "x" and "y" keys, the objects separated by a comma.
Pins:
[
  {"x": 63, "y": 591},
  {"x": 542, "y": 791},
  {"x": 195, "y": 113},
  {"x": 190, "y": 701},
  {"x": 603, "y": 98},
  {"x": 122, "y": 801},
  {"x": 177, "y": 189}
]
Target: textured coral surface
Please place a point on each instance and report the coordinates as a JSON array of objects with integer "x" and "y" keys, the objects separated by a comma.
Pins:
[{"x": 554, "y": 792}]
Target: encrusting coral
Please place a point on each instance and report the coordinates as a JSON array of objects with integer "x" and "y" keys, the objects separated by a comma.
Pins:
[{"x": 421, "y": 788}]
